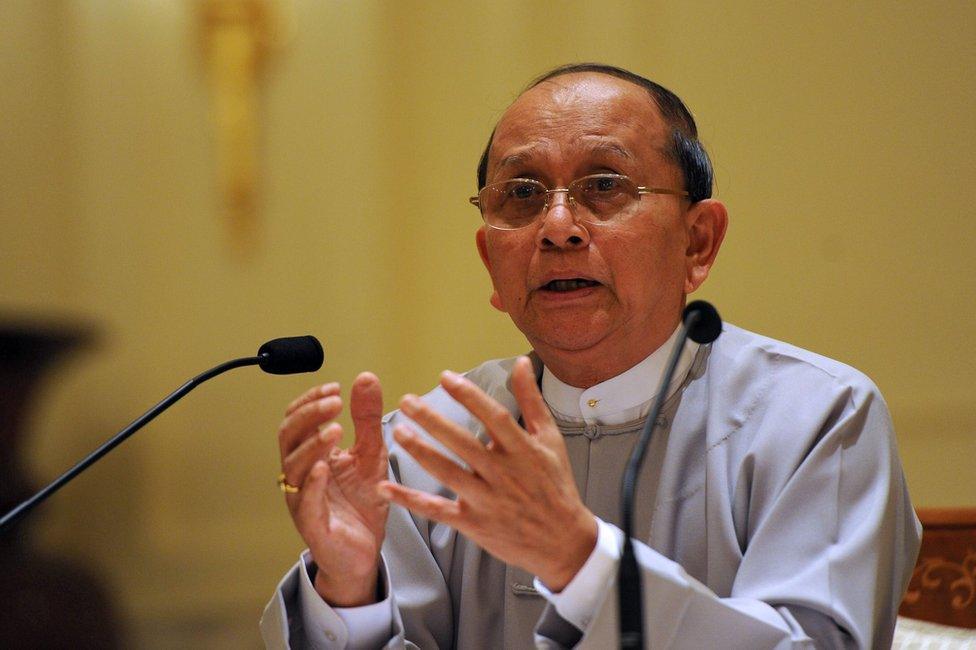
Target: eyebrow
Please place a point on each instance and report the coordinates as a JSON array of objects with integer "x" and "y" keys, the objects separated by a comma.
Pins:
[
  {"x": 612, "y": 148},
  {"x": 525, "y": 155},
  {"x": 514, "y": 159}
]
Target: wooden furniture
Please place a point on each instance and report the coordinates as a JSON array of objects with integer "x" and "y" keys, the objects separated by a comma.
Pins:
[{"x": 943, "y": 585}]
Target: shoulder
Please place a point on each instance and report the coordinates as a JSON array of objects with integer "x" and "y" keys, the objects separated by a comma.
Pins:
[
  {"x": 757, "y": 388},
  {"x": 740, "y": 357}
]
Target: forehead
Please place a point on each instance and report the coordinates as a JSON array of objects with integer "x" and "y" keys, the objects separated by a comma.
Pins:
[{"x": 579, "y": 115}]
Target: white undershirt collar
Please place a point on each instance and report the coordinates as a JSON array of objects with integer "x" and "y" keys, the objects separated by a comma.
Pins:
[{"x": 624, "y": 398}]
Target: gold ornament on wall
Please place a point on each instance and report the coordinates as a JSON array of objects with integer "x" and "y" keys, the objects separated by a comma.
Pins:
[{"x": 237, "y": 37}]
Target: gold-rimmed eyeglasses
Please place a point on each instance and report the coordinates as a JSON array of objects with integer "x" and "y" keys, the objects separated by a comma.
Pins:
[{"x": 597, "y": 198}]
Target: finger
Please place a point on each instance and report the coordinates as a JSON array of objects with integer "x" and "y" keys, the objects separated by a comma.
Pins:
[
  {"x": 305, "y": 421},
  {"x": 501, "y": 426},
  {"x": 366, "y": 408},
  {"x": 455, "y": 437},
  {"x": 430, "y": 506},
  {"x": 310, "y": 507},
  {"x": 535, "y": 413},
  {"x": 298, "y": 463},
  {"x": 312, "y": 394},
  {"x": 437, "y": 465}
]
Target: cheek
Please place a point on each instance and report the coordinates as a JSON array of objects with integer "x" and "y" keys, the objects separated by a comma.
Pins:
[
  {"x": 509, "y": 267},
  {"x": 641, "y": 265}
]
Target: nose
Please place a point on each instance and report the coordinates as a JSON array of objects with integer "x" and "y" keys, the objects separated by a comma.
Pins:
[{"x": 559, "y": 227}]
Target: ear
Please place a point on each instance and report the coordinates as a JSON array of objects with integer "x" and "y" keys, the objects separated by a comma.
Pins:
[
  {"x": 706, "y": 222},
  {"x": 481, "y": 242}
]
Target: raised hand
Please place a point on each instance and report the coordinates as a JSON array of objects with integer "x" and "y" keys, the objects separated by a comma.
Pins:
[
  {"x": 518, "y": 500},
  {"x": 338, "y": 510}
]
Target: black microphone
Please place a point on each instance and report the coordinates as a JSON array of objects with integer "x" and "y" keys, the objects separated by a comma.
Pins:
[
  {"x": 279, "y": 357},
  {"x": 290, "y": 355},
  {"x": 701, "y": 323}
]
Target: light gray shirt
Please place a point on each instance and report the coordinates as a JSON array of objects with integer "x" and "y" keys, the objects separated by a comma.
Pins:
[{"x": 772, "y": 512}]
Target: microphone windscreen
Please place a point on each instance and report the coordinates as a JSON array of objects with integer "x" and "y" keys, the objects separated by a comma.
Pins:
[
  {"x": 292, "y": 354},
  {"x": 706, "y": 325}
]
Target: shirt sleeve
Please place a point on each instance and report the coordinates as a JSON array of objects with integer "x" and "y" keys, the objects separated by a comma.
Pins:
[
  {"x": 579, "y": 601},
  {"x": 355, "y": 628}
]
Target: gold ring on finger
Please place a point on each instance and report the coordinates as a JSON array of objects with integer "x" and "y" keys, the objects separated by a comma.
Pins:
[{"x": 285, "y": 486}]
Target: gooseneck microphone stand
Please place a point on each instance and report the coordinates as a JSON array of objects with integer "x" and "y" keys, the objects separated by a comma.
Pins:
[
  {"x": 280, "y": 356},
  {"x": 702, "y": 324}
]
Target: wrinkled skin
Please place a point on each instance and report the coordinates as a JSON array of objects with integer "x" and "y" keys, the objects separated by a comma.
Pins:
[{"x": 646, "y": 263}]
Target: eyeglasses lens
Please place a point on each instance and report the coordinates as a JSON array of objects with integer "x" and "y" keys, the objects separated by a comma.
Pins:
[{"x": 518, "y": 202}]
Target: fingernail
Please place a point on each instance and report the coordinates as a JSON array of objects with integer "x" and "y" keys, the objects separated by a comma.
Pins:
[
  {"x": 328, "y": 403},
  {"x": 405, "y": 432},
  {"x": 384, "y": 491},
  {"x": 450, "y": 378},
  {"x": 326, "y": 433}
]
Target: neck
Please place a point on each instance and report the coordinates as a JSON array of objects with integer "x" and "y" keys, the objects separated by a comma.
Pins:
[{"x": 590, "y": 366}]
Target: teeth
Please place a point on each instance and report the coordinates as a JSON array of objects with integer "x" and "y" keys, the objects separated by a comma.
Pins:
[{"x": 570, "y": 285}]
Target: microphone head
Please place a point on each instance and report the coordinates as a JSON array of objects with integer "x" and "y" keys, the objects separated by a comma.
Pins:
[
  {"x": 702, "y": 321},
  {"x": 292, "y": 354}
]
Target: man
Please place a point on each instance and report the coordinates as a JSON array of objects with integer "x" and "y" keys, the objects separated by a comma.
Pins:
[{"x": 771, "y": 512}]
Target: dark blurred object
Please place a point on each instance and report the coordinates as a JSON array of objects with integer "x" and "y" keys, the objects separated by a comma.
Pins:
[
  {"x": 27, "y": 352},
  {"x": 45, "y": 602},
  {"x": 943, "y": 585}
]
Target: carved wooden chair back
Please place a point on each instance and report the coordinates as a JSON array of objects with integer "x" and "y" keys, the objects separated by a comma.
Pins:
[{"x": 943, "y": 585}]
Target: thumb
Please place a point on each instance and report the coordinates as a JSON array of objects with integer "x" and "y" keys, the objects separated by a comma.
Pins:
[{"x": 366, "y": 409}]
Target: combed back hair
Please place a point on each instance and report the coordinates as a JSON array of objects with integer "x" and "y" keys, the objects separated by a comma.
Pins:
[{"x": 685, "y": 149}]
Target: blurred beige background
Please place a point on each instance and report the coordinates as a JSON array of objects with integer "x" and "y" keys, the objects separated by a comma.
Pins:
[{"x": 843, "y": 137}]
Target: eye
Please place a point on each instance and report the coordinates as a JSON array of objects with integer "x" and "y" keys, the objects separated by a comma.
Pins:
[
  {"x": 522, "y": 190},
  {"x": 605, "y": 195},
  {"x": 602, "y": 186}
]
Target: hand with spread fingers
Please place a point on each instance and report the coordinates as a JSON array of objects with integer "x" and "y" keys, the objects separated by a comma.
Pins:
[
  {"x": 517, "y": 499},
  {"x": 332, "y": 493}
]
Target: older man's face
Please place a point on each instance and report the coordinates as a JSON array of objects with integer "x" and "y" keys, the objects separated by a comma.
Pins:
[{"x": 635, "y": 272}]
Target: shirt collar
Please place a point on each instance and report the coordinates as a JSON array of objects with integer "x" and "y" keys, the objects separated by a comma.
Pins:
[{"x": 620, "y": 399}]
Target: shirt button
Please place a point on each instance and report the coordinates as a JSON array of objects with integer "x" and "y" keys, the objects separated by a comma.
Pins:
[
  {"x": 330, "y": 635},
  {"x": 592, "y": 403}
]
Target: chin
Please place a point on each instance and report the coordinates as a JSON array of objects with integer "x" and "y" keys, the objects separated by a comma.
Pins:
[{"x": 572, "y": 337}]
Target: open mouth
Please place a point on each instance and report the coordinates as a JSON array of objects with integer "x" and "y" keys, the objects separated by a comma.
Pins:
[{"x": 572, "y": 284}]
